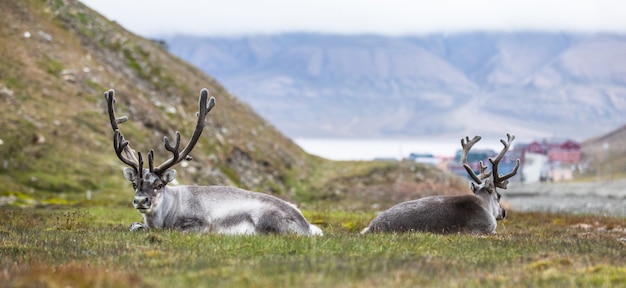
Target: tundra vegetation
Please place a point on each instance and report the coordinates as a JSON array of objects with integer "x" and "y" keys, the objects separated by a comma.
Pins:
[
  {"x": 67, "y": 208},
  {"x": 90, "y": 246}
]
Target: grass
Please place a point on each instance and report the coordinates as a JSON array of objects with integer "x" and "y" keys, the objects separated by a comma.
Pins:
[
  {"x": 92, "y": 246},
  {"x": 70, "y": 243}
]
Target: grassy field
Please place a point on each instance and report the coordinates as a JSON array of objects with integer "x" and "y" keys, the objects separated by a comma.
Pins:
[{"x": 92, "y": 247}]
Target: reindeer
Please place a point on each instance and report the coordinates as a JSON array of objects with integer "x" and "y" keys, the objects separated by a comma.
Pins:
[
  {"x": 217, "y": 209},
  {"x": 476, "y": 214}
]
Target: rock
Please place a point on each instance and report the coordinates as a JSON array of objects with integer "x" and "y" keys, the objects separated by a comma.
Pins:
[
  {"x": 68, "y": 75},
  {"x": 7, "y": 200},
  {"x": 5, "y": 92},
  {"x": 583, "y": 226},
  {"x": 39, "y": 139},
  {"x": 45, "y": 36}
]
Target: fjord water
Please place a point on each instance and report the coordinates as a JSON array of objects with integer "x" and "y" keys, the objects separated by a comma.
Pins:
[{"x": 371, "y": 149}]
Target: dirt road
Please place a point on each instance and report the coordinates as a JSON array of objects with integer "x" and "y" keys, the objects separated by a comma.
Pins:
[{"x": 602, "y": 197}]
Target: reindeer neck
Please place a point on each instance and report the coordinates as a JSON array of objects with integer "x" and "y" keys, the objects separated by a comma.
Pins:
[
  {"x": 485, "y": 197},
  {"x": 167, "y": 208}
]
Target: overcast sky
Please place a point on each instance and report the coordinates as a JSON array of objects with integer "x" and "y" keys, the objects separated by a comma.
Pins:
[{"x": 389, "y": 17}]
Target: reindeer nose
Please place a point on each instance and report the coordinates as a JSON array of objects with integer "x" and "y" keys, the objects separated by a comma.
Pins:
[
  {"x": 141, "y": 201},
  {"x": 503, "y": 213}
]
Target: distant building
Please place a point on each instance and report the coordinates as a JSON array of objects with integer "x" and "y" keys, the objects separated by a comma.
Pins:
[
  {"x": 544, "y": 160},
  {"x": 562, "y": 157},
  {"x": 563, "y": 151},
  {"x": 425, "y": 158}
]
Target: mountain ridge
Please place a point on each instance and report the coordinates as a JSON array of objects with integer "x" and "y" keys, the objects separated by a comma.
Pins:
[
  {"x": 57, "y": 58},
  {"x": 368, "y": 86}
]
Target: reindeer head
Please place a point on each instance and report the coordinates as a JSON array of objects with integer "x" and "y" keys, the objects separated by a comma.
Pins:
[
  {"x": 148, "y": 186},
  {"x": 150, "y": 183},
  {"x": 486, "y": 190}
]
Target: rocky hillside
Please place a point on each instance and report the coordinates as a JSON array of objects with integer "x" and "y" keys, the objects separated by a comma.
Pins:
[
  {"x": 57, "y": 58},
  {"x": 606, "y": 154},
  {"x": 314, "y": 85}
]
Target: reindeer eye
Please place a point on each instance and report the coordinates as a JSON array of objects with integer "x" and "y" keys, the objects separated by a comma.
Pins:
[{"x": 134, "y": 185}]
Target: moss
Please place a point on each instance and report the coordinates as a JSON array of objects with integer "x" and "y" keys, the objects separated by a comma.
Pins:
[
  {"x": 133, "y": 63},
  {"x": 12, "y": 150},
  {"x": 51, "y": 65},
  {"x": 95, "y": 86},
  {"x": 18, "y": 199},
  {"x": 14, "y": 83},
  {"x": 50, "y": 182},
  {"x": 274, "y": 188},
  {"x": 56, "y": 4},
  {"x": 528, "y": 255},
  {"x": 231, "y": 174},
  {"x": 82, "y": 18},
  {"x": 113, "y": 45},
  {"x": 91, "y": 120},
  {"x": 8, "y": 184},
  {"x": 42, "y": 166}
]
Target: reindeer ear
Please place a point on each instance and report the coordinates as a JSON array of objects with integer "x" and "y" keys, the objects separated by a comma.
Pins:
[
  {"x": 130, "y": 174},
  {"x": 168, "y": 176},
  {"x": 475, "y": 187}
]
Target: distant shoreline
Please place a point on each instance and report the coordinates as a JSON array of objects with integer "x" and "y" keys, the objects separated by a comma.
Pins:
[{"x": 371, "y": 149}]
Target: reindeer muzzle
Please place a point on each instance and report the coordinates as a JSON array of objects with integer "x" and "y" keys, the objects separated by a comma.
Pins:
[
  {"x": 142, "y": 203},
  {"x": 502, "y": 215}
]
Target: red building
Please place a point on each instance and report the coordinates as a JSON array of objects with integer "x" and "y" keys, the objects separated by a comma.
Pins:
[
  {"x": 567, "y": 152},
  {"x": 562, "y": 152},
  {"x": 561, "y": 158}
]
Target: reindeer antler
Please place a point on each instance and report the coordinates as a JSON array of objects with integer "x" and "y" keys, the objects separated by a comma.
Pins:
[
  {"x": 467, "y": 146},
  {"x": 121, "y": 145},
  {"x": 127, "y": 154},
  {"x": 501, "y": 181},
  {"x": 178, "y": 156}
]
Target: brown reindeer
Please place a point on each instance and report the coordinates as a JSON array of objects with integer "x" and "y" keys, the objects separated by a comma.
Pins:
[{"x": 475, "y": 213}]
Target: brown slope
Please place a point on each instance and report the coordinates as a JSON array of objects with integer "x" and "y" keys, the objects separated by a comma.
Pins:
[
  {"x": 58, "y": 57},
  {"x": 606, "y": 154}
]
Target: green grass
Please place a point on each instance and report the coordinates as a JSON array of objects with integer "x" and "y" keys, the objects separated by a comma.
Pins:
[
  {"x": 92, "y": 247},
  {"x": 74, "y": 242},
  {"x": 50, "y": 65}
]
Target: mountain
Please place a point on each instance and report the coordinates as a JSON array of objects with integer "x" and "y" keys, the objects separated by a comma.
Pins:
[
  {"x": 57, "y": 58},
  {"x": 606, "y": 154},
  {"x": 535, "y": 85}
]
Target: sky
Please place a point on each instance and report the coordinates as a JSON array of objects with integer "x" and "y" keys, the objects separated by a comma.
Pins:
[{"x": 384, "y": 17}]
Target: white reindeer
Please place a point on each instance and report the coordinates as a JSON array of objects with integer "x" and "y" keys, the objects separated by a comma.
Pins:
[
  {"x": 218, "y": 209},
  {"x": 475, "y": 214}
]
